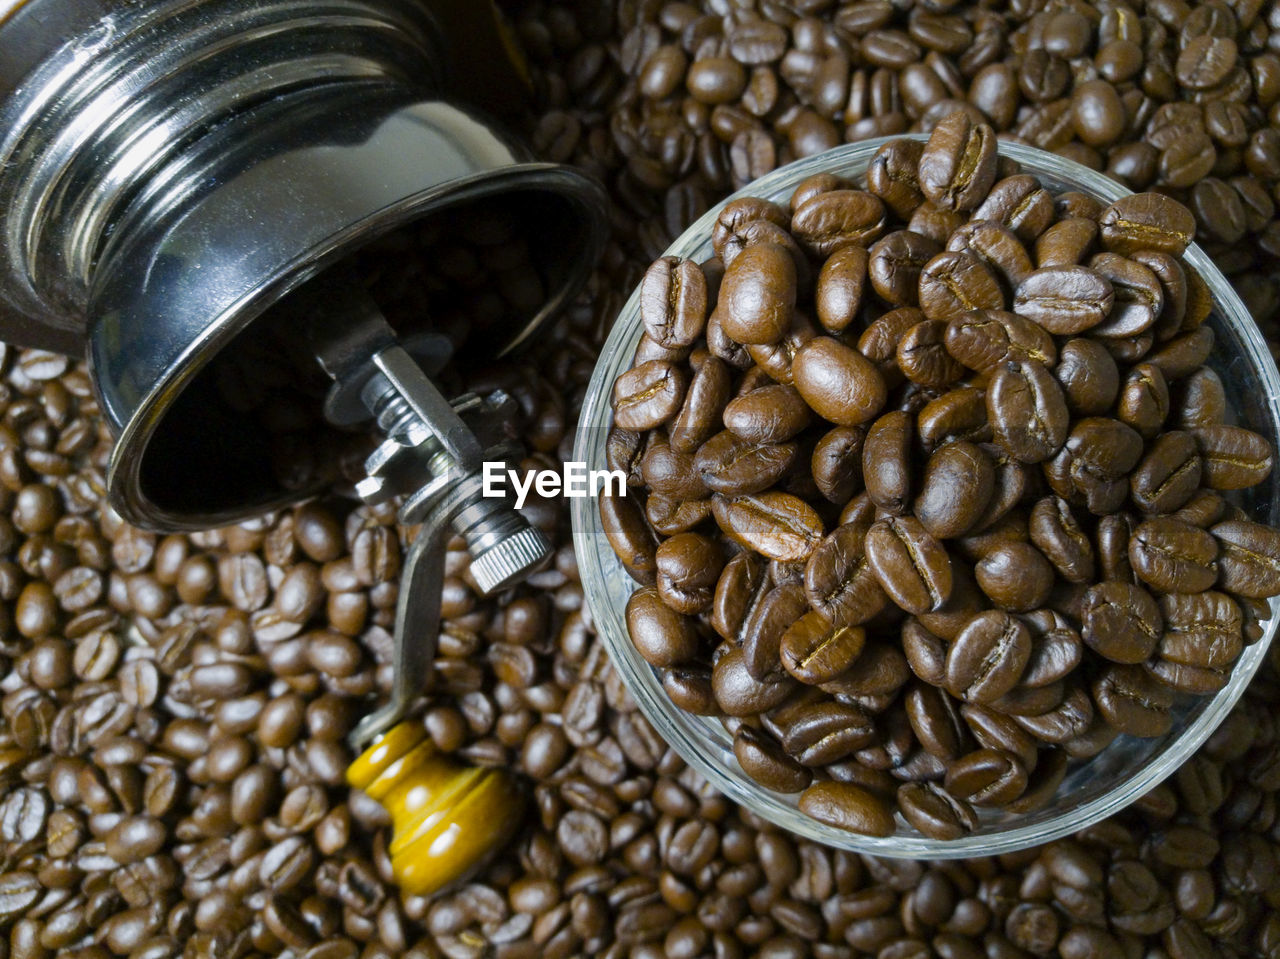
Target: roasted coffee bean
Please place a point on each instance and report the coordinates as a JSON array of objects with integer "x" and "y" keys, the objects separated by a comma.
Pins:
[
  {"x": 912, "y": 566},
  {"x": 1173, "y": 557},
  {"x": 816, "y": 651},
  {"x": 673, "y": 302},
  {"x": 1168, "y": 475},
  {"x": 1057, "y": 533},
  {"x": 758, "y": 295},
  {"x": 1093, "y": 466},
  {"x": 988, "y": 657},
  {"x": 764, "y": 760},
  {"x": 1202, "y": 631},
  {"x": 838, "y": 382},
  {"x": 984, "y": 340},
  {"x": 935, "y": 812},
  {"x": 1146, "y": 221},
  {"x": 1066, "y": 243},
  {"x": 895, "y": 263},
  {"x": 987, "y": 777},
  {"x": 738, "y": 693},
  {"x": 957, "y": 486},
  {"x": 688, "y": 567},
  {"x": 892, "y": 175},
  {"x": 839, "y": 581},
  {"x": 886, "y": 461},
  {"x": 777, "y": 525},
  {"x": 836, "y": 463},
  {"x": 662, "y": 636},
  {"x": 742, "y": 583},
  {"x": 1020, "y": 203},
  {"x": 1015, "y": 576},
  {"x": 841, "y": 288},
  {"x": 849, "y": 807},
  {"x": 733, "y": 466},
  {"x": 770, "y": 414},
  {"x": 953, "y": 283},
  {"x": 1138, "y": 297},
  {"x": 648, "y": 395},
  {"x": 1233, "y": 457},
  {"x": 1027, "y": 411},
  {"x": 935, "y": 721},
  {"x": 923, "y": 359},
  {"x": 699, "y": 418},
  {"x": 1248, "y": 558},
  {"x": 958, "y": 164},
  {"x": 1133, "y": 702},
  {"x": 997, "y": 246},
  {"x": 629, "y": 535},
  {"x": 1065, "y": 300},
  {"x": 766, "y": 623},
  {"x": 1144, "y": 399},
  {"x": 958, "y": 414},
  {"x": 1121, "y": 621},
  {"x": 835, "y": 218},
  {"x": 824, "y": 732}
]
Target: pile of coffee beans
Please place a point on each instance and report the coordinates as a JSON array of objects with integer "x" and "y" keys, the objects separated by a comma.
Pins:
[
  {"x": 628, "y": 853},
  {"x": 1031, "y": 552}
]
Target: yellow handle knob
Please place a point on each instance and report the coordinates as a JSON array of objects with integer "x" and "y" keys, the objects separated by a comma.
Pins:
[{"x": 446, "y": 818}]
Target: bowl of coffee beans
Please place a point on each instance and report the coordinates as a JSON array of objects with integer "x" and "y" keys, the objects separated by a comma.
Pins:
[{"x": 949, "y": 523}]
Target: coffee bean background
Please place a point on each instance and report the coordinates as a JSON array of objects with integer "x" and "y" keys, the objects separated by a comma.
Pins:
[{"x": 174, "y": 707}]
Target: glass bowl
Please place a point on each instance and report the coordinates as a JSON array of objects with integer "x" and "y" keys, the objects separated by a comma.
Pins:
[{"x": 1093, "y": 789}]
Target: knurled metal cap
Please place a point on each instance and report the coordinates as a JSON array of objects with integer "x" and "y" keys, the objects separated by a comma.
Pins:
[{"x": 511, "y": 560}]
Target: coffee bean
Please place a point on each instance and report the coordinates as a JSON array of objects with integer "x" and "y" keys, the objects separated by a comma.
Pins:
[
  {"x": 958, "y": 484},
  {"x": 1248, "y": 558},
  {"x": 836, "y": 463},
  {"x": 1028, "y": 411},
  {"x": 841, "y": 287},
  {"x": 849, "y": 807},
  {"x": 1233, "y": 457},
  {"x": 838, "y": 580},
  {"x": 648, "y": 395},
  {"x": 1132, "y": 702},
  {"x": 673, "y": 302},
  {"x": 765, "y": 625},
  {"x": 1173, "y": 557},
  {"x": 1146, "y": 221},
  {"x": 815, "y": 651},
  {"x": 953, "y": 283},
  {"x": 733, "y": 466},
  {"x": 893, "y": 264},
  {"x": 923, "y": 358},
  {"x": 987, "y": 777},
  {"x": 1093, "y": 466},
  {"x": 777, "y": 525},
  {"x": 1121, "y": 621},
  {"x": 688, "y": 567},
  {"x": 935, "y": 812},
  {"x": 662, "y": 636},
  {"x": 988, "y": 657},
  {"x": 912, "y": 566},
  {"x": 835, "y": 218},
  {"x": 738, "y": 693},
  {"x": 837, "y": 382},
  {"x": 958, "y": 164},
  {"x": 1020, "y": 203},
  {"x": 1015, "y": 576},
  {"x": 824, "y": 732},
  {"x": 986, "y": 339},
  {"x": 763, "y": 759},
  {"x": 770, "y": 414},
  {"x": 1065, "y": 300}
]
